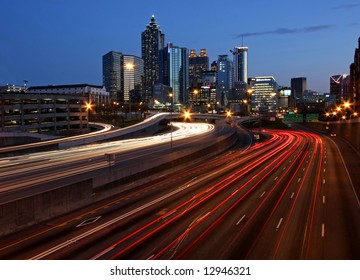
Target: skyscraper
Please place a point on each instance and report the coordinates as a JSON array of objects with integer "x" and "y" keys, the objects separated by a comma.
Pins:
[
  {"x": 197, "y": 65},
  {"x": 265, "y": 94},
  {"x": 112, "y": 74},
  {"x": 339, "y": 86},
  {"x": 133, "y": 75},
  {"x": 298, "y": 86},
  {"x": 225, "y": 81},
  {"x": 152, "y": 42},
  {"x": 240, "y": 64},
  {"x": 176, "y": 71}
]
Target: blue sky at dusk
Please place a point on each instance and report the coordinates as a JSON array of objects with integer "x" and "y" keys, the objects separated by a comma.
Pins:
[{"x": 60, "y": 42}]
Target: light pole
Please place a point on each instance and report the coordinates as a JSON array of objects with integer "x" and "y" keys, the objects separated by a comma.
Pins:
[
  {"x": 196, "y": 92},
  {"x": 249, "y": 92}
]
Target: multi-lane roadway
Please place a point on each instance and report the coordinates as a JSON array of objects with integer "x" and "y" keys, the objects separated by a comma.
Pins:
[
  {"x": 20, "y": 173},
  {"x": 288, "y": 197}
]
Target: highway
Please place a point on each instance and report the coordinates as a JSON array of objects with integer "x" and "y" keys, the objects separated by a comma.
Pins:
[
  {"x": 37, "y": 168},
  {"x": 288, "y": 197},
  {"x": 107, "y": 132}
]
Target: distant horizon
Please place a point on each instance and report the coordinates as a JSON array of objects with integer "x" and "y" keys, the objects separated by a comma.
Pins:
[{"x": 285, "y": 41}]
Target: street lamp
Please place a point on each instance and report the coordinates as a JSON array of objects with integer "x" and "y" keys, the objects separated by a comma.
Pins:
[
  {"x": 88, "y": 106},
  {"x": 196, "y": 92},
  {"x": 249, "y": 92},
  {"x": 186, "y": 115}
]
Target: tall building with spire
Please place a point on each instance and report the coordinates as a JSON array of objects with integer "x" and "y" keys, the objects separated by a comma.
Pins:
[
  {"x": 240, "y": 64},
  {"x": 152, "y": 42}
]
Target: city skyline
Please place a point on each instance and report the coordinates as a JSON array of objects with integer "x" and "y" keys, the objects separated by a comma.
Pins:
[{"x": 58, "y": 43}]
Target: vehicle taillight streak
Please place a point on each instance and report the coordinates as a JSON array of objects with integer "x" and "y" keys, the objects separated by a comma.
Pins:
[{"x": 231, "y": 179}]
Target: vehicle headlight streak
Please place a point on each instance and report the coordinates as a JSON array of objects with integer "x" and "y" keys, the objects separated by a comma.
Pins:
[{"x": 14, "y": 166}]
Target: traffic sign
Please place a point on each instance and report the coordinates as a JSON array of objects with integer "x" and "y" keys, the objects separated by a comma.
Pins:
[
  {"x": 298, "y": 118},
  {"x": 312, "y": 117},
  {"x": 288, "y": 118}
]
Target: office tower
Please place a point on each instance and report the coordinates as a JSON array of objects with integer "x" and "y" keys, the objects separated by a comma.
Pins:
[
  {"x": 208, "y": 84},
  {"x": 225, "y": 79},
  {"x": 197, "y": 65},
  {"x": 265, "y": 94},
  {"x": 298, "y": 85},
  {"x": 152, "y": 42},
  {"x": 355, "y": 77},
  {"x": 133, "y": 75},
  {"x": 339, "y": 87},
  {"x": 112, "y": 74},
  {"x": 176, "y": 72},
  {"x": 240, "y": 64}
]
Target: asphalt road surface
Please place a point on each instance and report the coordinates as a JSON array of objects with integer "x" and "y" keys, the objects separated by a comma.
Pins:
[{"x": 289, "y": 197}]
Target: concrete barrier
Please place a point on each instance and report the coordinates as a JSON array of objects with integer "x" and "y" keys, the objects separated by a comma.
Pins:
[{"x": 22, "y": 213}]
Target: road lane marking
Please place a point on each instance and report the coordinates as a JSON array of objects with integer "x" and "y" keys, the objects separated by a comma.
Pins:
[
  {"x": 324, "y": 170},
  {"x": 239, "y": 221},
  {"x": 106, "y": 224},
  {"x": 299, "y": 180},
  {"x": 262, "y": 194},
  {"x": 88, "y": 221},
  {"x": 323, "y": 199},
  {"x": 275, "y": 178},
  {"x": 323, "y": 181},
  {"x": 322, "y": 230},
  {"x": 279, "y": 224},
  {"x": 104, "y": 252},
  {"x": 292, "y": 195},
  {"x": 149, "y": 258}
]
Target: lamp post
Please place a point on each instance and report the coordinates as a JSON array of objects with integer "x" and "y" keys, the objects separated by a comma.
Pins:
[
  {"x": 249, "y": 92},
  {"x": 196, "y": 92}
]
